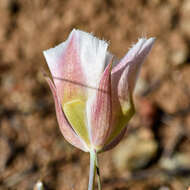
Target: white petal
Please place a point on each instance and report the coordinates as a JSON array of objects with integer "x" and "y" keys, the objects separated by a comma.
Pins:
[
  {"x": 53, "y": 56},
  {"x": 93, "y": 56}
]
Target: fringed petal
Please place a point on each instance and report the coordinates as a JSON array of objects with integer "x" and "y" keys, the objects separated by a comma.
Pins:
[{"x": 93, "y": 53}]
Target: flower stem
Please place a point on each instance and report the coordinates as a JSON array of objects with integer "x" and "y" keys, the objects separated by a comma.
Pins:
[
  {"x": 98, "y": 173},
  {"x": 92, "y": 170}
]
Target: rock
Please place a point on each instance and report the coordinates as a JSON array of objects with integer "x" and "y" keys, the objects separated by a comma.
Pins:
[
  {"x": 179, "y": 160},
  {"x": 135, "y": 151},
  {"x": 178, "y": 57},
  {"x": 39, "y": 186}
]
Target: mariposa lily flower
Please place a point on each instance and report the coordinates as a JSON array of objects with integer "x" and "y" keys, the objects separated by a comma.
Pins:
[{"x": 93, "y": 91}]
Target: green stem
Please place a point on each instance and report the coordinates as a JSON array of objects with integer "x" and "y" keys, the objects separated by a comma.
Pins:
[
  {"x": 98, "y": 173},
  {"x": 92, "y": 170}
]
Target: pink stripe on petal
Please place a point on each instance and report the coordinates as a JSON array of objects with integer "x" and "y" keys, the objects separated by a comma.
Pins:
[
  {"x": 101, "y": 109},
  {"x": 64, "y": 126},
  {"x": 74, "y": 85},
  {"x": 116, "y": 107},
  {"x": 67, "y": 72}
]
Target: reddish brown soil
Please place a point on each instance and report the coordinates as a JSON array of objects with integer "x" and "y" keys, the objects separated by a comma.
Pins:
[{"x": 31, "y": 145}]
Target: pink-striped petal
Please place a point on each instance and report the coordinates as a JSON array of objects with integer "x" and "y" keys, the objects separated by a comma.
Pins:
[
  {"x": 100, "y": 110},
  {"x": 131, "y": 62},
  {"x": 66, "y": 68},
  {"x": 124, "y": 76},
  {"x": 129, "y": 76},
  {"x": 64, "y": 126}
]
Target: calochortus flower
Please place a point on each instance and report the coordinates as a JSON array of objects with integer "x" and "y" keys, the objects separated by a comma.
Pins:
[{"x": 93, "y": 91}]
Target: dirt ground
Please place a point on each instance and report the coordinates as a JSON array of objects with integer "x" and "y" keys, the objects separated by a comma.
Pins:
[{"x": 155, "y": 153}]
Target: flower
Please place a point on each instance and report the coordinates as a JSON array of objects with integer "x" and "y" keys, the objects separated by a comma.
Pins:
[{"x": 92, "y": 90}]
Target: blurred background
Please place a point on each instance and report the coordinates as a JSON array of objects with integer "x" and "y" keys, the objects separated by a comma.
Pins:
[{"x": 155, "y": 153}]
